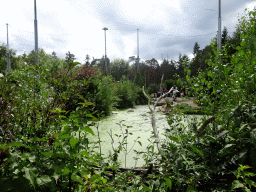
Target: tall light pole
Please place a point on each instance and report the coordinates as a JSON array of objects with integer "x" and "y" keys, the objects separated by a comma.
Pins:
[
  {"x": 8, "y": 56},
  {"x": 36, "y": 38},
  {"x": 105, "y": 50},
  {"x": 219, "y": 26},
  {"x": 137, "y": 50}
]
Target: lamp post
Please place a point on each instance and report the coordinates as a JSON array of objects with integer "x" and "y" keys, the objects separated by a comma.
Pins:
[
  {"x": 137, "y": 50},
  {"x": 105, "y": 49},
  {"x": 36, "y": 38},
  {"x": 8, "y": 56},
  {"x": 219, "y": 26}
]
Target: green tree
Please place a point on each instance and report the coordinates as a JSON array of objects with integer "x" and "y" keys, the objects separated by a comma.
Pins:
[
  {"x": 199, "y": 62},
  {"x": 118, "y": 68},
  {"x": 196, "y": 48},
  {"x": 139, "y": 79},
  {"x": 152, "y": 72},
  {"x": 3, "y": 58},
  {"x": 225, "y": 36},
  {"x": 69, "y": 58},
  {"x": 100, "y": 64},
  {"x": 54, "y": 55},
  {"x": 87, "y": 58},
  {"x": 182, "y": 62}
]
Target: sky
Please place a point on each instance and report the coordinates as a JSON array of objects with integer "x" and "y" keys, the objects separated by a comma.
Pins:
[{"x": 163, "y": 28}]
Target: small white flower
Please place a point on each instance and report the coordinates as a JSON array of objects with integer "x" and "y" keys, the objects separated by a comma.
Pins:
[{"x": 1, "y": 75}]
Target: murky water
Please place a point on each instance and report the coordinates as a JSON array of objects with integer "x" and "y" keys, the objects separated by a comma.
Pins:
[{"x": 139, "y": 119}]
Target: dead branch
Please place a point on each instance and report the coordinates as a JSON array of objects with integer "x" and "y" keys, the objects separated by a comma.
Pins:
[{"x": 153, "y": 119}]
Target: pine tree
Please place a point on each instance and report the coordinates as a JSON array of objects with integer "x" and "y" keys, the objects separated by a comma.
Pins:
[{"x": 196, "y": 48}]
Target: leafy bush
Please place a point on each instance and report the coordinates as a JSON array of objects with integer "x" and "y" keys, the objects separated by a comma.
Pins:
[
  {"x": 127, "y": 93},
  {"x": 140, "y": 99},
  {"x": 153, "y": 88},
  {"x": 106, "y": 98}
]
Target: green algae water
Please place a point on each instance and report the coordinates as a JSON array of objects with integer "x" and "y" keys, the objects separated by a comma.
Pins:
[{"x": 139, "y": 121}]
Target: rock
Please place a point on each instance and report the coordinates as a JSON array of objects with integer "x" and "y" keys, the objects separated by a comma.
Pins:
[{"x": 130, "y": 110}]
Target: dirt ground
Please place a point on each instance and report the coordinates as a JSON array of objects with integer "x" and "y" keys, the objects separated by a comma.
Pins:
[
  {"x": 178, "y": 101},
  {"x": 190, "y": 102}
]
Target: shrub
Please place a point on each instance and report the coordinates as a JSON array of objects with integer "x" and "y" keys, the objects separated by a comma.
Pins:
[
  {"x": 153, "y": 88},
  {"x": 127, "y": 93}
]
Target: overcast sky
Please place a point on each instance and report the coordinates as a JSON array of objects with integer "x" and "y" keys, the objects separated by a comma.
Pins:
[{"x": 166, "y": 27}]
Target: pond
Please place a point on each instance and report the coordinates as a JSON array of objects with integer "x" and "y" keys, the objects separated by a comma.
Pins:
[{"x": 139, "y": 120}]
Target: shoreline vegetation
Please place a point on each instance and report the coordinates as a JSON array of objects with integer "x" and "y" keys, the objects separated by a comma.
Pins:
[{"x": 44, "y": 122}]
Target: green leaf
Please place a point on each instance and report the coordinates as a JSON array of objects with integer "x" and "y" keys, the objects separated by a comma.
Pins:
[
  {"x": 38, "y": 139},
  {"x": 237, "y": 184},
  {"x": 228, "y": 145},
  {"x": 56, "y": 144},
  {"x": 73, "y": 142},
  {"x": 90, "y": 115},
  {"x": 85, "y": 153},
  {"x": 172, "y": 146},
  {"x": 31, "y": 157},
  {"x": 226, "y": 149},
  {"x": 17, "y": 144},
  {"x": 250, "y": 182},
  {"x": 48, "y": 154},
  {"x": 145, "y": 188},
  {"x": 140, "y": 143},
  {"x": 45, "y": 179},
  {"x": 66, "y": 171},
  {"x": 64, "y": 136},
  {"x": 3, "y": 146},
  {"x": 197, "y": 151},
  {"x": 55, "y": 175},
  {"x": 210, "y": 138},
  {"x": 173, "y": 138},
  {"x": 168, "y": 183},
  {"x": 77, "y": 178},
  {"x": 8, "y": 87},
  {"x": 239, "y": 155},
  {"x": 24, "y": 156},
  {"x": 87, "y": 129},
  {"x": 104, "y": 181},
  {"x": 191, "y": 189},
  {"x": 31, "y": 174},
  {"x": 221, "y": 134},
  {"x": 95, "y": 177}
]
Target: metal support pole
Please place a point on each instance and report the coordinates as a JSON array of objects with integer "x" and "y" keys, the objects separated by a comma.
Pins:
[
  {"x": 219, "y": 26},
  {"x": 105, "y": 50},
  {"x": 137, "y": 50},
  {"x": 8, "y": 56},
  {"x": 36, "y": 38}
]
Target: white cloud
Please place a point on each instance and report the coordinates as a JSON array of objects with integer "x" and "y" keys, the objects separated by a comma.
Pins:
[{"x": 76, "y": 26}]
